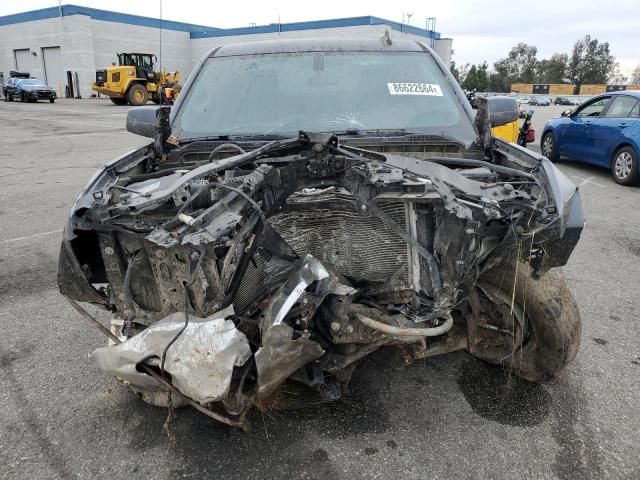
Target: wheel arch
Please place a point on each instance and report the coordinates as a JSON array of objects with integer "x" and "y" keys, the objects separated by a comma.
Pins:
[
  {"x": 134, "y": 81},
  {"x": 547, "y": 129}
]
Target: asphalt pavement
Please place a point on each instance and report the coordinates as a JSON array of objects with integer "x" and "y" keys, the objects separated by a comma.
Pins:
[{"x": 447, "y": 417}]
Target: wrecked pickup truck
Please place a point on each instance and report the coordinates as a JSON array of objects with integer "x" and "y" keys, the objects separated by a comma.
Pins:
[{"x": 307, "y": 202}]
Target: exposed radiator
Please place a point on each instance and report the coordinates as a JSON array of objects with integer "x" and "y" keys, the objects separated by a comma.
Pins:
[{"x": 331, "y": 227}]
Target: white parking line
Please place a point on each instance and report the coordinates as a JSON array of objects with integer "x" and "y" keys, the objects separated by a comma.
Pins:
[
  {"x": 49, "y": 137},
  {"x": 72, "y": 122},
  {"x": 28, "y": 237},
  {"x": 587, "y": 181},
  {"x": 102, "y": 125}
]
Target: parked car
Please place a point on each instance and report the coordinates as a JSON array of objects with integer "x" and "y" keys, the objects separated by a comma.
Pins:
[
  {"x": 539, "y": 101},
  {"x": 307, "y": 202},
  {"x": 32, "y": 90},
  {"x": 603, "y": 131},
  {"x": 563, "y": 101},
  {"x": 8, "y": 88}
]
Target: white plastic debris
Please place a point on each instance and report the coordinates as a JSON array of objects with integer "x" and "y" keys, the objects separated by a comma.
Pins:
[{"x": 200, "y": 361}]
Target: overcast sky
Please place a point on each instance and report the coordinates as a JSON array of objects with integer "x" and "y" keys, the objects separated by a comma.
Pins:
[{"x": 481, "y": 29}]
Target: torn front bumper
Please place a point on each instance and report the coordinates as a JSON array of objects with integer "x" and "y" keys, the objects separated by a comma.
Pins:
[{"x": 200, "y": 363}]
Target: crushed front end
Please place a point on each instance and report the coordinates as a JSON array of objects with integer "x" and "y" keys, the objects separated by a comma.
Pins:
[{"x": 294, "y": 260}]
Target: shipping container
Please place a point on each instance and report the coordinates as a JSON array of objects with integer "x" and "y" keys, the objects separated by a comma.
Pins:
[
  {"x": 562, "y": 89},
  {"x": 543, "y": 88},
  {"x": 592, "y": 89},
  {"x": 521, "y": 88}
]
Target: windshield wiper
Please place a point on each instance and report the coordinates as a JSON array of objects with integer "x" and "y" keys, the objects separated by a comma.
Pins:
[
  {"x": 396, "y": 132},
  {"x": 399, "y": 133},
  {"x": 376, "y": 132},
  {"x": 266, "y": 137}
]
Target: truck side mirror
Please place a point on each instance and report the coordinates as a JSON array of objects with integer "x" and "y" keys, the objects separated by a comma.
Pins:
[
  {"x": 502, "y": 110},
  {"x": 142, "y": 121}
]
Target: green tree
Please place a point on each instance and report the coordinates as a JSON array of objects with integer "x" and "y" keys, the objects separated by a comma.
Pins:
[
  {"x": 553, "y": 70},
  {"x": 501, "y": 78},
  {"x": 635, "y": 76},
  {"x": 477, "y": 78},
  {"x": 497, "y": 83},
  {"x": 524, "y": 57},
  {"x": 519, "y": 66},
  {"x": 616, "y": 77},
  {"x": 454, "y": 71},
  {"x": 471, "y": 79},
  {"x": 482, "y": 77},
  {"x": 522, "y": 63},
  {"x": 590, "y": 62}
]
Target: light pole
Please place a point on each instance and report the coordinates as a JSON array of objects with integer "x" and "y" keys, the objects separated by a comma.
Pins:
[{"x": 160, "y": 52}]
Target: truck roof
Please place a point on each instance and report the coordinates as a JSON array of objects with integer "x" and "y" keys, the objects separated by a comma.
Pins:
[{"x": 295, "y": 45}]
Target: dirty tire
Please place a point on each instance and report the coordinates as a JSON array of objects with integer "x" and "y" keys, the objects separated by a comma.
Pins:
[
  {"x": 549, "y": 147},
  {"x": 137, "y": 95},
  {"x": 624, "y": 167},
  {"x": 118, "y": 101},
  {"x": 553, "y": 320}
]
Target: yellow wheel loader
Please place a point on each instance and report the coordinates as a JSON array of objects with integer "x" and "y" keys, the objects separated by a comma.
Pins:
[{"x": 133, "y": 81}]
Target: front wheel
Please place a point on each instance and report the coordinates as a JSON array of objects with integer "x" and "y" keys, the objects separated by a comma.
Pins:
[
  {"x": 51, "y": 100},
  {"x": 549, "y": 147},
  {"x": 23, "y": 99},
  {"x": 530, "y": 325},
  {"x": 625, "y": 167},
  {"x": 137, "y": 95}
]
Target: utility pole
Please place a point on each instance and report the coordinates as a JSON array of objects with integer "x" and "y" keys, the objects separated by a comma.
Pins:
[{"x": 160, "y": 37}]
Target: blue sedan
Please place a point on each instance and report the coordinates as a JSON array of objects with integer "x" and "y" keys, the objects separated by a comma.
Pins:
[{"x": 603, "y": 131}]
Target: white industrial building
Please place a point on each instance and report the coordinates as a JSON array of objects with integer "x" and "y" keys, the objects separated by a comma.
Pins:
[{"x": 56, "y": 44}]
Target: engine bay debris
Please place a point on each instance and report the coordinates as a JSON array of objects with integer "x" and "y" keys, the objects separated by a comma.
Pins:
[{"x": 293, "y": 260}]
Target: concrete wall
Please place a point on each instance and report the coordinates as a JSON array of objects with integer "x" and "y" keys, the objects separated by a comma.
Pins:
[
  {"x": 77, "y": 51},
  {"x": 87, "y": 45},
  {"x": 43, "y": 33}
]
